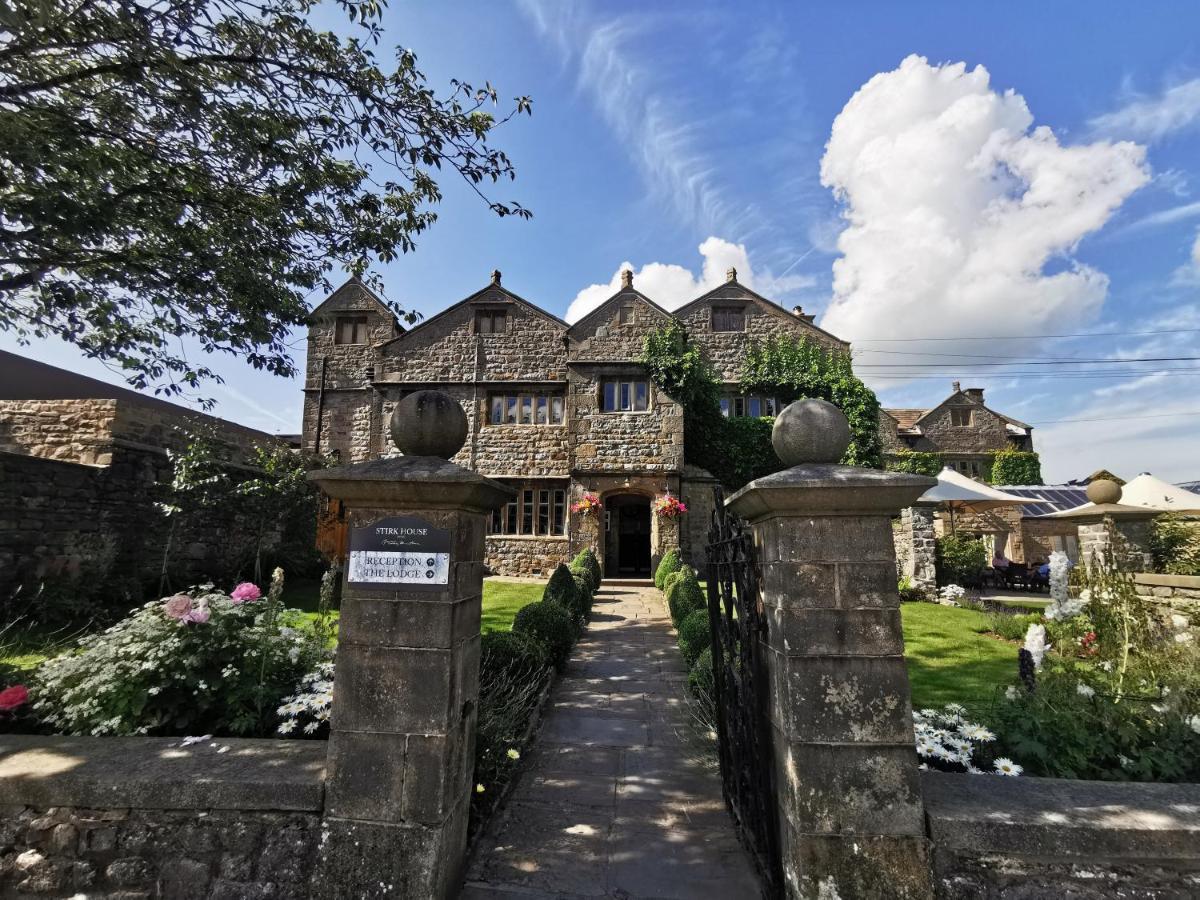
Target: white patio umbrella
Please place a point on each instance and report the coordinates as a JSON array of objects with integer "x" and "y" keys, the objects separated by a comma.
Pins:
[
  {"x": 1148, "y": 492},
  {"x": 955, "y": 491}
]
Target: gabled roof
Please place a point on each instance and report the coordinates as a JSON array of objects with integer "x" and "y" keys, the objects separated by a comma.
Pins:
[
  {"x": 355, "y": 281},
  {"x": 494, "y": 287},
  {"x": 924, "y": 414},
  {"x": 769, "y": 305},
  {"x": 625, "y": 293}
]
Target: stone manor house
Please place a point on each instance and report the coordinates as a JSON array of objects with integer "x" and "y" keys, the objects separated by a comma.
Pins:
[{"x": 558, "y": 410}]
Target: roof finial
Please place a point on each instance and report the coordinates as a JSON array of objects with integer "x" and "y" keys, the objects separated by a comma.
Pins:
[
  {"x": 957, "y": 386},
  {"x": 627, "y": 278},
  {"x": 731, "y": 274},
  {"x": 495, "y": 276}
]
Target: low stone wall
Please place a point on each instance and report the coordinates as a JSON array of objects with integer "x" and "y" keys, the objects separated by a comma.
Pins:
[
  {"x": 1042, "y": 837},
  {"x": 1178, "y": 593},
  {"x": 534, "y": 557},
  {"x": 144, "y": 817}
]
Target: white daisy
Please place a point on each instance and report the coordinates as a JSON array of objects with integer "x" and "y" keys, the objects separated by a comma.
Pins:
[{"x": 1005, "y": 766}]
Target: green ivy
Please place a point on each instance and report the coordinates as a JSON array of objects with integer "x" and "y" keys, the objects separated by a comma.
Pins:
[
  {"x": 915, "y": 462},
  {"x": 1016, "y": 467},
  {"x": 738, "y": 449}
]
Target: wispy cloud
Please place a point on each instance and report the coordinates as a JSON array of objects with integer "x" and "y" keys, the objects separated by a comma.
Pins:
[
  {"x": 1162, "y": 217},
  {"x": 1153, "y": 117}
]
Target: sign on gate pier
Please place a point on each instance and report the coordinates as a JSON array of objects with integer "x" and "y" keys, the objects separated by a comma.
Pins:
[{"x": 400, "y": 550}]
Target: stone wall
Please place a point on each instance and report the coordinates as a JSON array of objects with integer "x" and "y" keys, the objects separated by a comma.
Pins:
[
  {"x": 1132, "y": 535},
  {"x": 600, "y": 336},
  {"x": 1179, "y": 594},
  {"x": 143, "y": 817},
  {"x": 520, "y": 555},
  {"x": 696, "y": 491},
  {"x": 1047, "y": 838},
  {"x": 79, "y": 431},
  {"x": 727, "y": 349},
  {"x": 650, "y": 441},
  {"x": 986, "y": 433},
  {"x": 346, "y": 365},
  {"x": 916, "y": 546}
]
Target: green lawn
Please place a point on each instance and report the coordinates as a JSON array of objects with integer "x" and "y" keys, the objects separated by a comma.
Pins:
[
  {"x": 21, "y": 652},
  {"x": 949, "y": 661}
]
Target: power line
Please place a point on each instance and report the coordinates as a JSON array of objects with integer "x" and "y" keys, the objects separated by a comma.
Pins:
[
  {"x": 1195, "y": 412},
  {"x": 1024, "y": 337},
  {"x": 926, "y": 353},
  {"x": 1030, "y": 362}
]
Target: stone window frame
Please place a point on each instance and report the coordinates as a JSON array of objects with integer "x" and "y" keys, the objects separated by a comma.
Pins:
[
  {"x": 515, "y": 401},
  {"x": 358, "y": 324},
  {"x": 617, "y": 381},
  {"x": 539, "y": 511},
  {"x": 957, "y": 412},
  {"x": 724, "y": 315},
  {"x": 627, "y": 314},
  {"x": 768, "y": 406},
  {"x": 490, "y": 314}
]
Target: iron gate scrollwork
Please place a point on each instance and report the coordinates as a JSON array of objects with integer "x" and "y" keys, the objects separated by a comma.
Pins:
[{"x": 739, "y": 632}]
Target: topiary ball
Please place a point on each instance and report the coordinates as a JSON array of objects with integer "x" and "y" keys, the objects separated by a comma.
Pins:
[
  {"x": 684, "y": 596},
  {"x": 695, "y": 635},
  {"x": 669, "y": 563},
  {"x": 561, "y": 589},
  {"x": 551, "y": 626},
  {"x": 583, "y": 589},
  {"x": 506, "y": 656}
]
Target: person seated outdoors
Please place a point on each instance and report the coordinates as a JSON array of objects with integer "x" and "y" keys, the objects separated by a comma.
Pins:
[{"x": 999, "y": 561}]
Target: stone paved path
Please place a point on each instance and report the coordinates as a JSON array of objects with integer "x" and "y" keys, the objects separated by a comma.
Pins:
[{"x": 619, "y": 798}]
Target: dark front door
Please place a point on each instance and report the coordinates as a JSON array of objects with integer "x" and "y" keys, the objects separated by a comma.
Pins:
[{"x": 627, "y": 541}]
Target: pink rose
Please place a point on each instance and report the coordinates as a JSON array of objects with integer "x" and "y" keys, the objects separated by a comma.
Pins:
[
  {"x": 247, "y": 590},
  {"x": 178, "y": 606},
  {"x": 12, "y": 697},
  {"x": 199, "y": 615}
]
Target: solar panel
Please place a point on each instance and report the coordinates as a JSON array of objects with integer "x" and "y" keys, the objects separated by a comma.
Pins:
[{"x": 1052, "y": 498}]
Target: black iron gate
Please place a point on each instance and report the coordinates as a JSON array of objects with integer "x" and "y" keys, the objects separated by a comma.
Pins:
[{"x": 739, "y": 629}]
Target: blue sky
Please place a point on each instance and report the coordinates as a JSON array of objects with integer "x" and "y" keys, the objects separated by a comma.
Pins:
[{"x": 1050, "y": 185}]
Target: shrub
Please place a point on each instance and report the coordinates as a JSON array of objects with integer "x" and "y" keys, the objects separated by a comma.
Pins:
[
  {"x": 509, "y": 655},
  {"x": 669, "y": 563},
  {"x": 583, "y": 589},
  {"x": 685, "y": 596},
  {"x": 960, "y": 560},
  {"x": 561, "y": 589},
  {"x": 1012, "y": 628},
  {"x": 695, "y": 635},
  {"x": 551, "y": 625},
  {"x": 702, "y": 686},
  {"x": 1016, "y": 467},
  {"x": 910, "y": 593},
  {"x": 915, "y": 462},
  {"x": 1175, "y": 545},
  {"x": 585, "y": 561},
  {"x": 188, "y": 664}
]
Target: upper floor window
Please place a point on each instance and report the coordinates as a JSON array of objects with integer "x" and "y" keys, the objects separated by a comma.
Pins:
[
  {"x": 960, "y": 416},
  {"x": 750, "y": 405},
  {"x": 625, "y": 314},
  {"x": 526, "y": 409},
  {"x": 350, "y": 330},
  {"x": 626, "y": 396},
  {"x": 728, "y": 318},
  {"x": 490, "y": 321},
  {"x": 536, "y": 511}
]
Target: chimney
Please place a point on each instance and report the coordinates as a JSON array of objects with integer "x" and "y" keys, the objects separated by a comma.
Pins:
[
  {"x": 798, "y": 312},
  {"x": 627, "y": 278},
  {"x": 975, "y": 394},
  {"x": 957, "y": 385},
  {"x": 495, "y": 276},
  {"x": 731, "y": 274}
]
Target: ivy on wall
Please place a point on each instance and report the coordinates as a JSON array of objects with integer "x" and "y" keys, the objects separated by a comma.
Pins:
[
  {"x": 737, "y": 450},
  {"x": 1016, "y": 467},
  {"x": 915, "y": 462}
]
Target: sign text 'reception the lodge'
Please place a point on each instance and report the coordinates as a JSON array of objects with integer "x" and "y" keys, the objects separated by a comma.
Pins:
[{"x": 400, "y": 550}]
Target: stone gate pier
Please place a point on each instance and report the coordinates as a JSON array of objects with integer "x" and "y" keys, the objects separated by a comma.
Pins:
[
  {"x": 402, "y": 741},
  {"x": 851, "y": 817}
]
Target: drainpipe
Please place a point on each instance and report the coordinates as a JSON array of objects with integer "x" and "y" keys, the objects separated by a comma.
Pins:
[{"x": 320, "y": 407}]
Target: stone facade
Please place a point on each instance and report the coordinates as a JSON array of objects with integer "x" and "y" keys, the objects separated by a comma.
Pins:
[
  {"x": 961, "y": 428},
  {"x": 1174, "y": 594},
  {"x": 916, "y": 546},
  {"x": 495, "y": 344}
]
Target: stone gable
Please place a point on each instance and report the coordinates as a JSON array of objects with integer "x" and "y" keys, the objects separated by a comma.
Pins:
[
  {"x": 601, "y": 336},
  {"x": 346, "y": 365}
]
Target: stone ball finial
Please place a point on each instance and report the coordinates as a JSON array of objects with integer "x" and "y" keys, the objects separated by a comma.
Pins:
[
  {"x": 429, "y": 423},
  {"x": 1103, "y": 491},
  {"x": 627, "y": 278},
  {"x": 810, "y": 431}
]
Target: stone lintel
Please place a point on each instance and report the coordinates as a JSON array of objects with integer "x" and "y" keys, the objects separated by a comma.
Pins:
[
  {"x": 826, "y": 489},
  {"x": 407, "y": 482}
]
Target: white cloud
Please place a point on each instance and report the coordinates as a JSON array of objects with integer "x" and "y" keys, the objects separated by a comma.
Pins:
[
  {"x": 671, "y": 286},
  {"x": 1153, "y": 118},
  {"x": 1163, "y": 217},
  {"x": 1188, "y": 275},
  {"x": 961, "y": 219}
]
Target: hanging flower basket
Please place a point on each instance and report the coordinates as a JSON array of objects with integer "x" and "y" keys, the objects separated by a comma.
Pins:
[
  {"x": 589, "y": 504},
  {"x": 669, "y": 507}
]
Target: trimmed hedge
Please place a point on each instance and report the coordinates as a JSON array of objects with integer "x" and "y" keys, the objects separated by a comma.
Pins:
[
  {"x": 551, "y": 625},
  {"x": 585, "y": 562},
  {"x": 695, "y": 635},
  {"x": 684, "y": 596},
  {"x": 561, "y": 589},
  {"x": 669, "y": 563},
  {"x": 508, "y": 655}
]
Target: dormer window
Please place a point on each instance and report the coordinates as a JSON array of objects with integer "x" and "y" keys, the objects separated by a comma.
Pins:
[
  {"x": 490, "y": 321},
  {"x": 960, "y": 417},
  {"x": 728, "y": 318},
  {"x": 625, "y": 314},
  {"x": 350, "y": 330}
]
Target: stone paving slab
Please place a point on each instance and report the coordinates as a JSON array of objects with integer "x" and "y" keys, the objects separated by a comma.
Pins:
[{"x": 619, "y": 798}]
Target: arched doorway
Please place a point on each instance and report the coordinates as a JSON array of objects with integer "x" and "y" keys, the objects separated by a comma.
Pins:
[{"x": 627, "y": 536}]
